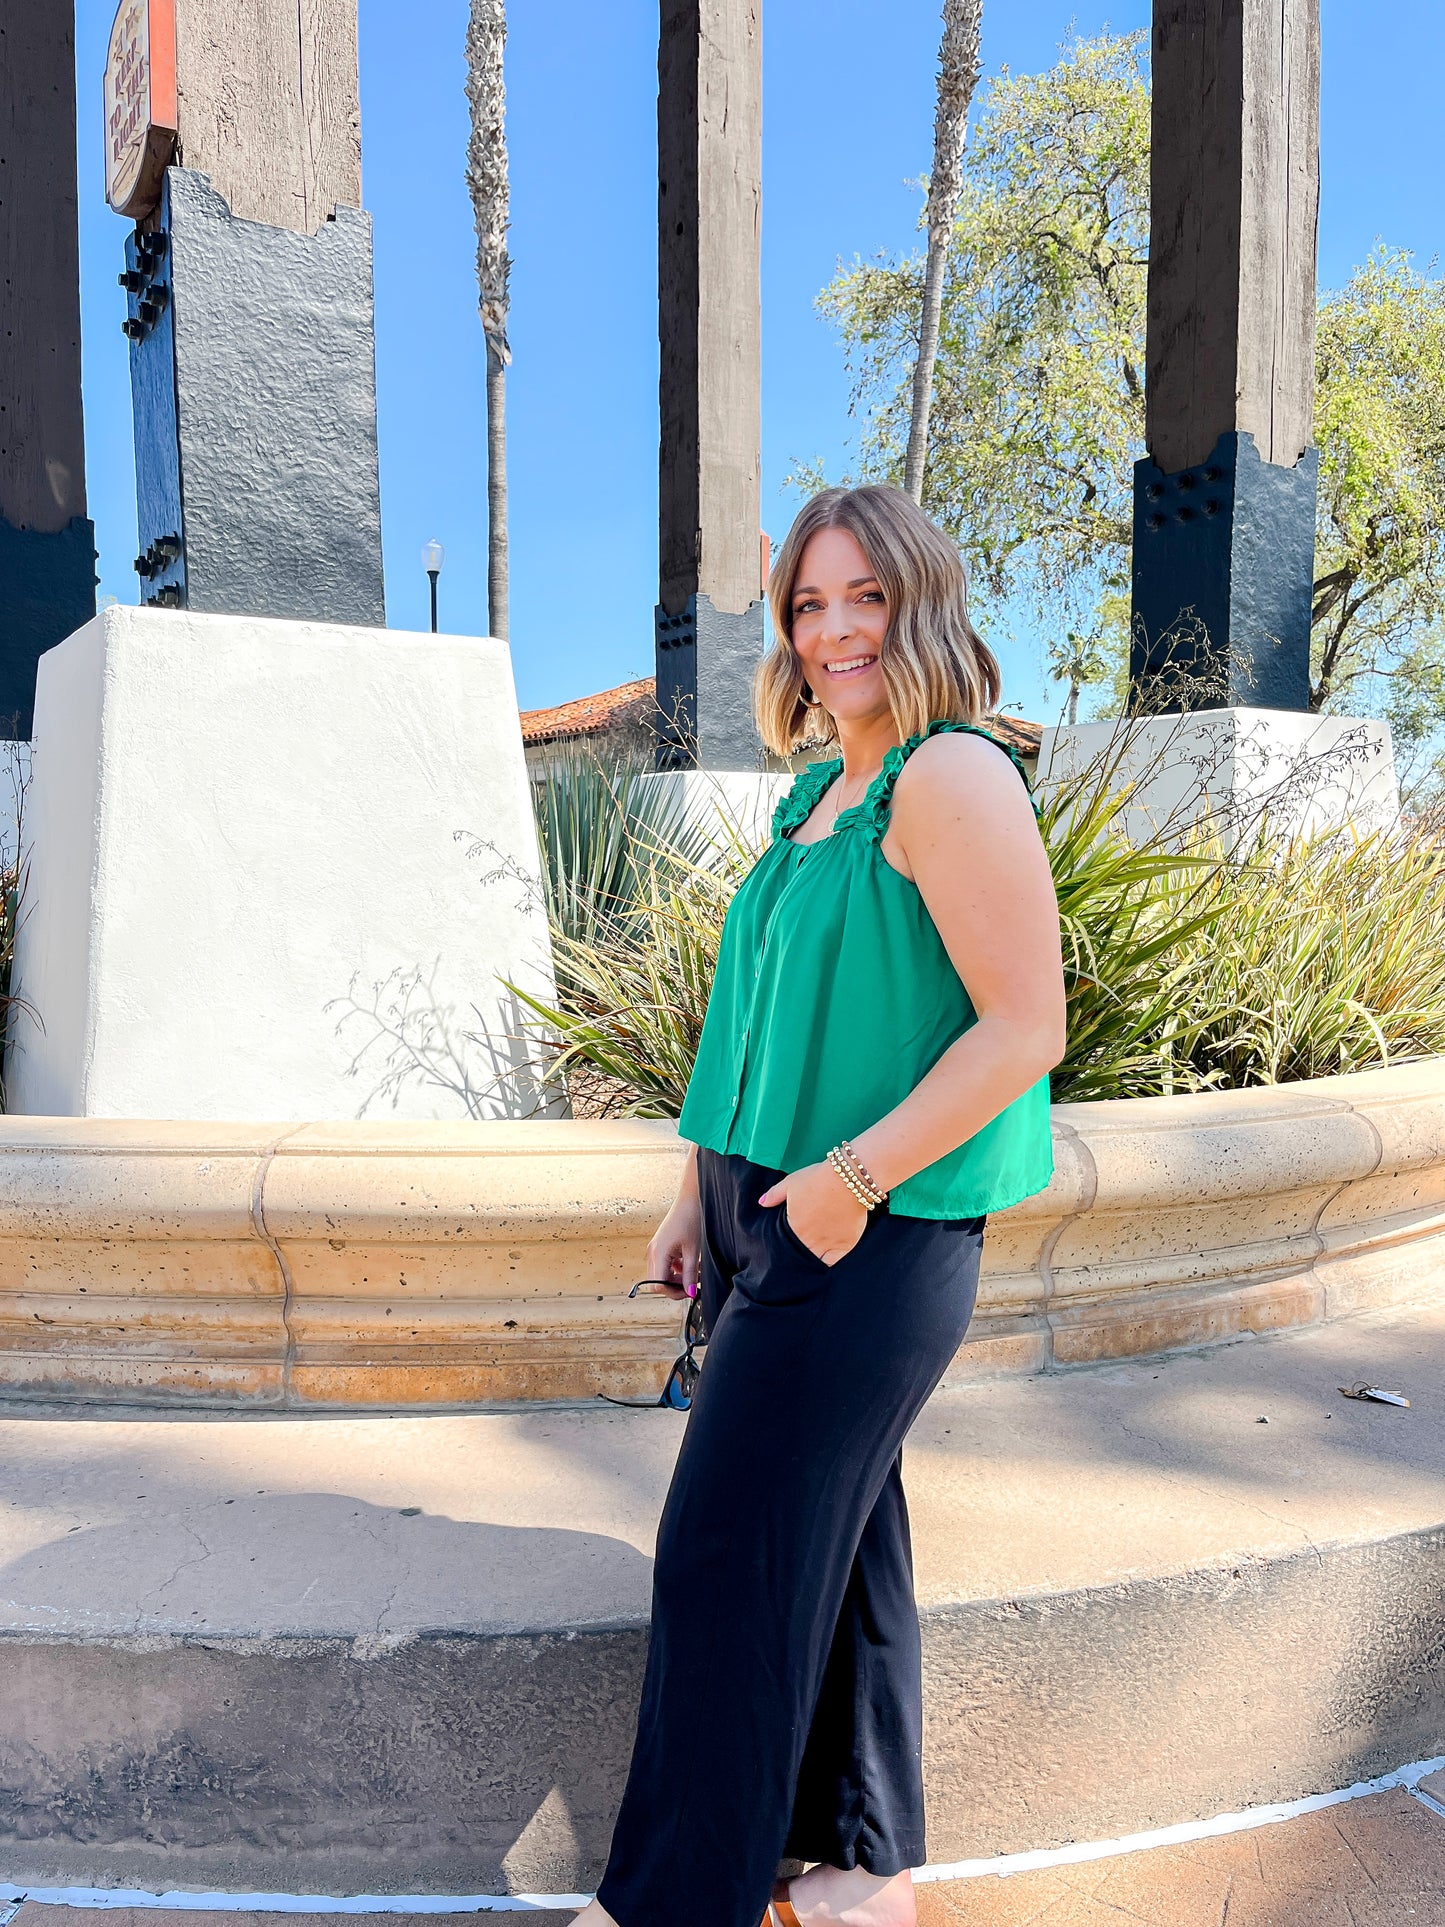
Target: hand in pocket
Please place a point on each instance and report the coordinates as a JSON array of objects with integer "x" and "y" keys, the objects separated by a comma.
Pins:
[{"x": 821, "y": 1212}]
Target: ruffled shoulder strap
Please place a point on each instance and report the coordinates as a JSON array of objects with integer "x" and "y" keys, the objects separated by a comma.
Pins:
[
  {"x": 873, "y": 812},
  {"x": 798, "y": 803}
]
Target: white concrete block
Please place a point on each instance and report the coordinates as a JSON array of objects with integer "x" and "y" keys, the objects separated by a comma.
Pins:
[
  {"x": 1235, "y": 768},
  {"x": 729, "y": 805},
  {"x": 276, "y": 871}
]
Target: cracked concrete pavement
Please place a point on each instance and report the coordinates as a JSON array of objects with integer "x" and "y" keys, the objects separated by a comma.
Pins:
[
  {"x": 123, "y": 1523},
  {"x": 1151, "y": 1592}
]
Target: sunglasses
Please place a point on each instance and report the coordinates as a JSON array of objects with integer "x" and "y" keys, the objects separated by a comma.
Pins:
[{"x": 677, "y": 1393}]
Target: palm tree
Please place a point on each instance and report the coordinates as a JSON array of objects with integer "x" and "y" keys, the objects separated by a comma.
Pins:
[
  {"x": 491, "y": 206},
  {"x": 958, "y": 64},
  {"x": 1078, "y": 661}
]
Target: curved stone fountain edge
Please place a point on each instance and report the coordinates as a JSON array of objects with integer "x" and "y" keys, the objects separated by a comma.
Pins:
[{"x": 380, "y": 1264}]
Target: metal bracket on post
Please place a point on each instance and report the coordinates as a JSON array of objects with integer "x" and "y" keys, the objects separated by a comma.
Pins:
[
  {"x": 149, "y": 326},
  {"x": 676, "y": 725},
  {"x": 1223, "y": 573},
  {"x": 706, "y": 658}
]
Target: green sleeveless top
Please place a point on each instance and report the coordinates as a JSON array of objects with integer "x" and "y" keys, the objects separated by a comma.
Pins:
[{"x": 833, "y": 997}]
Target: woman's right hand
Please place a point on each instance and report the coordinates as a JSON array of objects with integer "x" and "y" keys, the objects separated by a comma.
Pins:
[{"x": 675, "y": 1252}]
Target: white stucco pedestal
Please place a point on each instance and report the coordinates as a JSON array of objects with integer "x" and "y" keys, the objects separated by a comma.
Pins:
[
  {"x": 731, "y": 807},
  {"x": 1235, "y": 770},
  {"x": 276, "y": 872}
]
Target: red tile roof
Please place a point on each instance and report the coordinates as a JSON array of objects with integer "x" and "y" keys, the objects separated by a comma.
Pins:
[
  {"x": 631, "y": 701},
  {"x": 588, "y": 715},
  {"x": 1022, "y": 736}
]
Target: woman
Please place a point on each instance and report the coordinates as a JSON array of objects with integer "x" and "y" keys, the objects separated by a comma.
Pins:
[{"x": 870, "y": 1082}]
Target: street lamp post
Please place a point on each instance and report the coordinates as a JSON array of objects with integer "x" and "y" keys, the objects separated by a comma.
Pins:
[{"x": 432, "y": 557}]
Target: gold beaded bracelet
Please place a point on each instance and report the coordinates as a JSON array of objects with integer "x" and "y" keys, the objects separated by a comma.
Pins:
[
  {"x": 850, "y": 1168},
  {"x": 848, "y": 1179},
  {"x": 861, "y": 1172}
]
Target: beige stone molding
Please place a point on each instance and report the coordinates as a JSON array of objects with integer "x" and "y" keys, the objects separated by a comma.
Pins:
[{"x": 403, "y": 1264}]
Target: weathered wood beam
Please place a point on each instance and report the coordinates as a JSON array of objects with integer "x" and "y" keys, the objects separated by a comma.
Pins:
[
  {"x": 709, "y": 205},
  {"x": 1224, "y": 524},
  {"x": 1235, "y": 192},
  {"x": 268, "y": 105}
]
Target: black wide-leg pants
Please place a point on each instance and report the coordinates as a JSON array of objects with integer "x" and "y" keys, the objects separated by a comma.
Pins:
[{"x": 781, "y": 1710}]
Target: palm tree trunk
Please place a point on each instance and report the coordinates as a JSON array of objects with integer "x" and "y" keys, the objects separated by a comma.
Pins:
[
  {"x": 958, "y": 65},
  {"x": 488, "y": 184},
  {"x": 497, "y": 560}
]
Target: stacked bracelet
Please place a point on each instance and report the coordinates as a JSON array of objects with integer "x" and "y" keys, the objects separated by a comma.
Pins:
[{"x": 845, "y": 1161}]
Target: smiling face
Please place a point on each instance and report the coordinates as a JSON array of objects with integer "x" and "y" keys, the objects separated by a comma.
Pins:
[{"x": 839, "y": 620}]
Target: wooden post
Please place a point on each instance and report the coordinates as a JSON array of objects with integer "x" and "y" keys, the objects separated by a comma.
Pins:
[
  {"x": 1224, "y": 506},
  {"x": 252, "y": 356},
  {"x": 268, "y": 105},
  {"x": 709, "y": 626},
  {"x": 47, "y": 545}
]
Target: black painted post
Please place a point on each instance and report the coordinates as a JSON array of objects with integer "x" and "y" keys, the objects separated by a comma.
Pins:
[
  {"x": 249, "y": 311},
  {"x": 709, "y": 618},
  {"x": 1224, "y": 506},
  {"x": 47, "y": 543}
]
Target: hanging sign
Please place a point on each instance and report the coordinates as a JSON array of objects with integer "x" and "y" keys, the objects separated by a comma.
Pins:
[{"x": 140, "y": 104}]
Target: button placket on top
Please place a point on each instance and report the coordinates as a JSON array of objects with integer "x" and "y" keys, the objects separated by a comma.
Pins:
[{"x": 801, "y": 850}]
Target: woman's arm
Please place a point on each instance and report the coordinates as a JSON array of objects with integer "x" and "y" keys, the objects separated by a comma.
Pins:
[
  {"x": 675, "y": 1253},
  {"x": 964, "y": 830}
]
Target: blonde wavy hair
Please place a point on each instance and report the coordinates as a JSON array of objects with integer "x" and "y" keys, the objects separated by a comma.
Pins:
[{"x": 935, "y": 666}]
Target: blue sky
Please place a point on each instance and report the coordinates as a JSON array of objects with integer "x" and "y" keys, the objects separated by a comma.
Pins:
[{"x": 848, "y": 109}]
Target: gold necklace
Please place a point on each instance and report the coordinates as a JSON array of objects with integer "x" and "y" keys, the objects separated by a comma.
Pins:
[{"x": 838, "y": 795}]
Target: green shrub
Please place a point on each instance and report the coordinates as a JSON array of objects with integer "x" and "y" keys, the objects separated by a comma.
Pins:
[
  {"x": 604, "y": 825},
  {"x": 1184, "y": 971},
  {"x": 1311, "y": 960},
  {"x": 636, "y": 897}
]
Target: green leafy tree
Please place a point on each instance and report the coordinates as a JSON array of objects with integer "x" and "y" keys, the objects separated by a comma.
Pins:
[
  {"x": 1038, "y": 388},
  {"x": 1038, "y": 411},
  {"x": 1380, "y": 540}
]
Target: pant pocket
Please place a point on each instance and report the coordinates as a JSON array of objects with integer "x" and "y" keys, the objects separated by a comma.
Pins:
[
  {"x": 805, "y": 1252},
  {"x": 780, "y": 1269}
]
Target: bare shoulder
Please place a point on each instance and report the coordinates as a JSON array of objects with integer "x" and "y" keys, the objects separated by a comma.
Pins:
[{"x": 957, "y": 775}]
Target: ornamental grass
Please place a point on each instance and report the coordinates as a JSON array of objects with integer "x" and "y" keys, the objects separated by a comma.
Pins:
[
  {"x": 9, "y": 916},
  {"x": 13, "y": 872},
  {"x": 1190, "y": 969}
]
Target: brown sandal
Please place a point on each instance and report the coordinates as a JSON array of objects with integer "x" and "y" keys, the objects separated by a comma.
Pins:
[{"x": 780, "y": 1909}]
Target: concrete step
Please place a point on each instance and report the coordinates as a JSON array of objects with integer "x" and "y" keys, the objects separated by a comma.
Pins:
[
  {"x": 400, "y": 1654},
  {"x": 1378, "y": 1861}
]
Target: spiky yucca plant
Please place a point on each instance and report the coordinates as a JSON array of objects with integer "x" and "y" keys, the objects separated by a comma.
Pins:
[
  {"x": 1185, "y": 970},
  {"x": 605, "y": 824}
]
